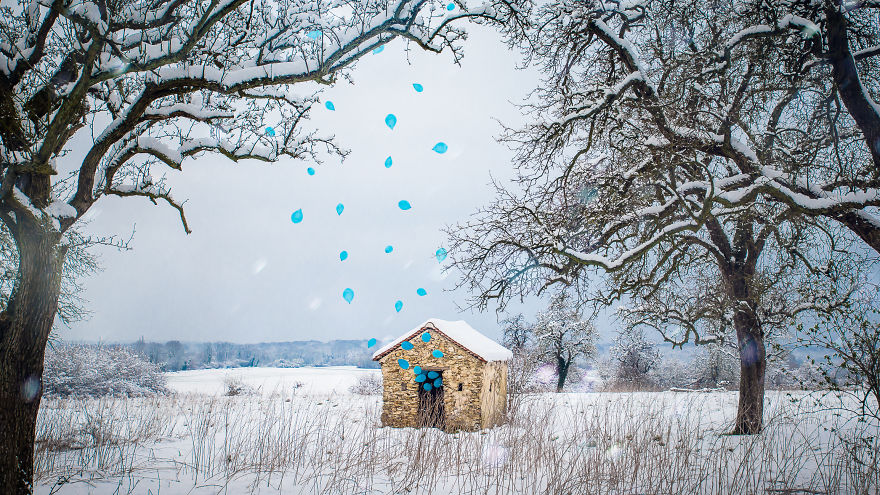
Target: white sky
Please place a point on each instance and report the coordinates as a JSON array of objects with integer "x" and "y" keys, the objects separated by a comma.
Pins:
[{"x": 248, "y": 274}]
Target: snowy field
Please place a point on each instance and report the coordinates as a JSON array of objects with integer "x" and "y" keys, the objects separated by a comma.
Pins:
[
  {"x": 300, "y": 431},
  {"x": 268, "y": 381}
]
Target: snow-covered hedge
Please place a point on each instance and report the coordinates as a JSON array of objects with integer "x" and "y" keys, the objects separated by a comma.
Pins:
[{"x": 96, "y": 370}]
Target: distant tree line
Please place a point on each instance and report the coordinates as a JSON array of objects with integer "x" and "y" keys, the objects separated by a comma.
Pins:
[{"x": 175, "y": 355}]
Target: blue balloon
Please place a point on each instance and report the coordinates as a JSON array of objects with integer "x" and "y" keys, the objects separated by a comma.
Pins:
[
  {"x": 297, "y": 216},
  {"x": 438, "y": 382},
  {"x": 420, "y": 378},
  {"x": 270, "y": 131},
  {"x": 315, "y": 34},
  {"x": 426, "y": 337},
  {"x": 422, "y": 292},
  {"x": 440, "y": 148},
  {"x": 398, "y": 306},
  {"x": 417, "y": 370},
  {"x": 441, "y": 255},
  {"x": 330, "y": 105},
  {"x": 437, "y": 353},
  {"x": 418, "y": 87},
  {"x": 348, "y": 295},
  {"x": 404, "y": 205},
  {"x": 343, "y": 255},
  {"x": 388, "y": 162},
  {"x": 389, "y": 248},
  {"x": 310, "y": 171},
  {"x": 379, "y": 49},
  {"x": 371, "y": 342},
  {"x": 403, "y": 363},
  {"x": 339, "y": 208},
  {"x": 450, "y": 7},
  {"x": 391, "y": 120},
  {"x": 406, "y": 345},
  {"x": 433, "y": 374},
  {"x": 427, "y": 386}
]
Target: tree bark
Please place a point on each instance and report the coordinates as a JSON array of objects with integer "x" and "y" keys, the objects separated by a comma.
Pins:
[
  {"x": 753, "y": 363},
  {"x": 562, "y": 370},
  {"x": 24, "y": 332}
]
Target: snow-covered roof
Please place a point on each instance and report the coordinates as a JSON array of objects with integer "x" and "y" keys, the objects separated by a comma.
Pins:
[{"x": 459, "y": 332}]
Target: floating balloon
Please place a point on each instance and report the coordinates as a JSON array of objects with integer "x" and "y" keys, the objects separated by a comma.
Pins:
[
  {"x": 420, "y": 378},
  {"x": 441, "y": 255},
  {"x": 310, "y": 171},
  {"x": 398, "y": 306},
  {"x": 433, "y": 374},
  {"x": 343, "y": 255},
  {"x": 339, "y": 208},
  {"x": 389, "y": 248},
  {"x": 404, "y": 205},
  {"x": 297, "y": 216},
  {"x": 391, "y": 121},
  {"x": 426, "y": 337},
  {"x": 270, "y": 131},
  {"x": 417, "y": 370},
  {"x": 427, "y": 386},
  {"x": 314, "y": 34},
  {"x": 371, "y": 342},
  {"x": 330, "y": 106},
  {"x": 348, "y": 295},
  {"x": 440, "y": 148},
  {"x": 438, "y": 382},
  {"x": 422, "y": 292},
  {"x": 437, "y": 353},
  {"x": 403, "y": 363},
  {"x": 406, "y": 345},
  {"x": 418, "y": 87},
  {"x": 388, "y": 162},
  {"x": 378, "y": 49},
  {"x": 450, "y": 7}
]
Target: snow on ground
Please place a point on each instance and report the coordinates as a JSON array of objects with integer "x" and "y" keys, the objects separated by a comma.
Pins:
[
  {"x": 325, "y": 380},
  {"x": 302, "y": 432}
]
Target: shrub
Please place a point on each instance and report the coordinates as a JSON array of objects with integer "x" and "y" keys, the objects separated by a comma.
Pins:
[
  {"x": 367, "y": 384},
  {"x": 75, "y": 370}
]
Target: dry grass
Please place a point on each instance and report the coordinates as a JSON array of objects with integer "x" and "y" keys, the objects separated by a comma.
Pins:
[{"x": 596, "y": 443}]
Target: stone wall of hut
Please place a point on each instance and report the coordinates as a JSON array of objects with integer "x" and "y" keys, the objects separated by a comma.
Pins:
[{"x": 493, "y": 402}]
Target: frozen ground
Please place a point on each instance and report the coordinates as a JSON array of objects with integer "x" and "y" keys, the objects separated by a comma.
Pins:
[{"x": 302, "y": 432}]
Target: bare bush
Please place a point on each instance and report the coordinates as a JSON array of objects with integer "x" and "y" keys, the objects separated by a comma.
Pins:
[
  {"x": 234, "y": 385},
  {"x": 367, "y": 384},
  {"x": 74, "y": 370}
]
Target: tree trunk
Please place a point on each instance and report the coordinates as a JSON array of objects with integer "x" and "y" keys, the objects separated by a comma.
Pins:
[
  {"x": 562, "y": 370},
  {"x": 753, "y": 363},
  {"x": 24, "y": 332}
]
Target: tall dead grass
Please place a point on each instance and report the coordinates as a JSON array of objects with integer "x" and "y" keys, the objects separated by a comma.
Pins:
[{"x": 554, "y": 443}]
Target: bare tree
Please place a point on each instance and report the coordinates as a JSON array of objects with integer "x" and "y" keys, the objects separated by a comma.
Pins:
[
  {"x": 563, "y": 335},
  {"x": 633, "y": 357},
  {"x": 667, "y": 152},
  {"x": 155, "y": 83}
]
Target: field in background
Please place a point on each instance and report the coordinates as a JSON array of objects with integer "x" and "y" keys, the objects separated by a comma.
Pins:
[{"x": 300, "y": 431}]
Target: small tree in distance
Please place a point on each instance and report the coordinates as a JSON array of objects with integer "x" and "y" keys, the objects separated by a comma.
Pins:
[
  {"x": 633, "y": 357},
  {"x": 563, "y": 335}
]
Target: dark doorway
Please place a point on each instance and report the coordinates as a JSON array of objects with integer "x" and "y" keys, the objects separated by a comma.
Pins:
[{"x": 431, "y": 413}]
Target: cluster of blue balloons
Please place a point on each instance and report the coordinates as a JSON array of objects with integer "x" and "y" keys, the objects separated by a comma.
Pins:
[{"x": 428, "y": 380}]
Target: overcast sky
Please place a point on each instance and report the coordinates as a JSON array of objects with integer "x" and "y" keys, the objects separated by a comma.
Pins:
[{"x": 249, "y": 274}]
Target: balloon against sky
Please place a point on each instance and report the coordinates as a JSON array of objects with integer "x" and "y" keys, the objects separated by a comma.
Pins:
[{"x": 403, "y": 205}]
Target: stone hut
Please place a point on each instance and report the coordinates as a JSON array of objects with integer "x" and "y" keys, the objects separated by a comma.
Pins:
[{"x": 443, "y": 374}]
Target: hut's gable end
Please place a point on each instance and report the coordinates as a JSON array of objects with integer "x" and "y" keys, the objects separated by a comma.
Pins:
[
  {"x": 459, "y": 368},
  {"x": 493, "y": 395}
]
